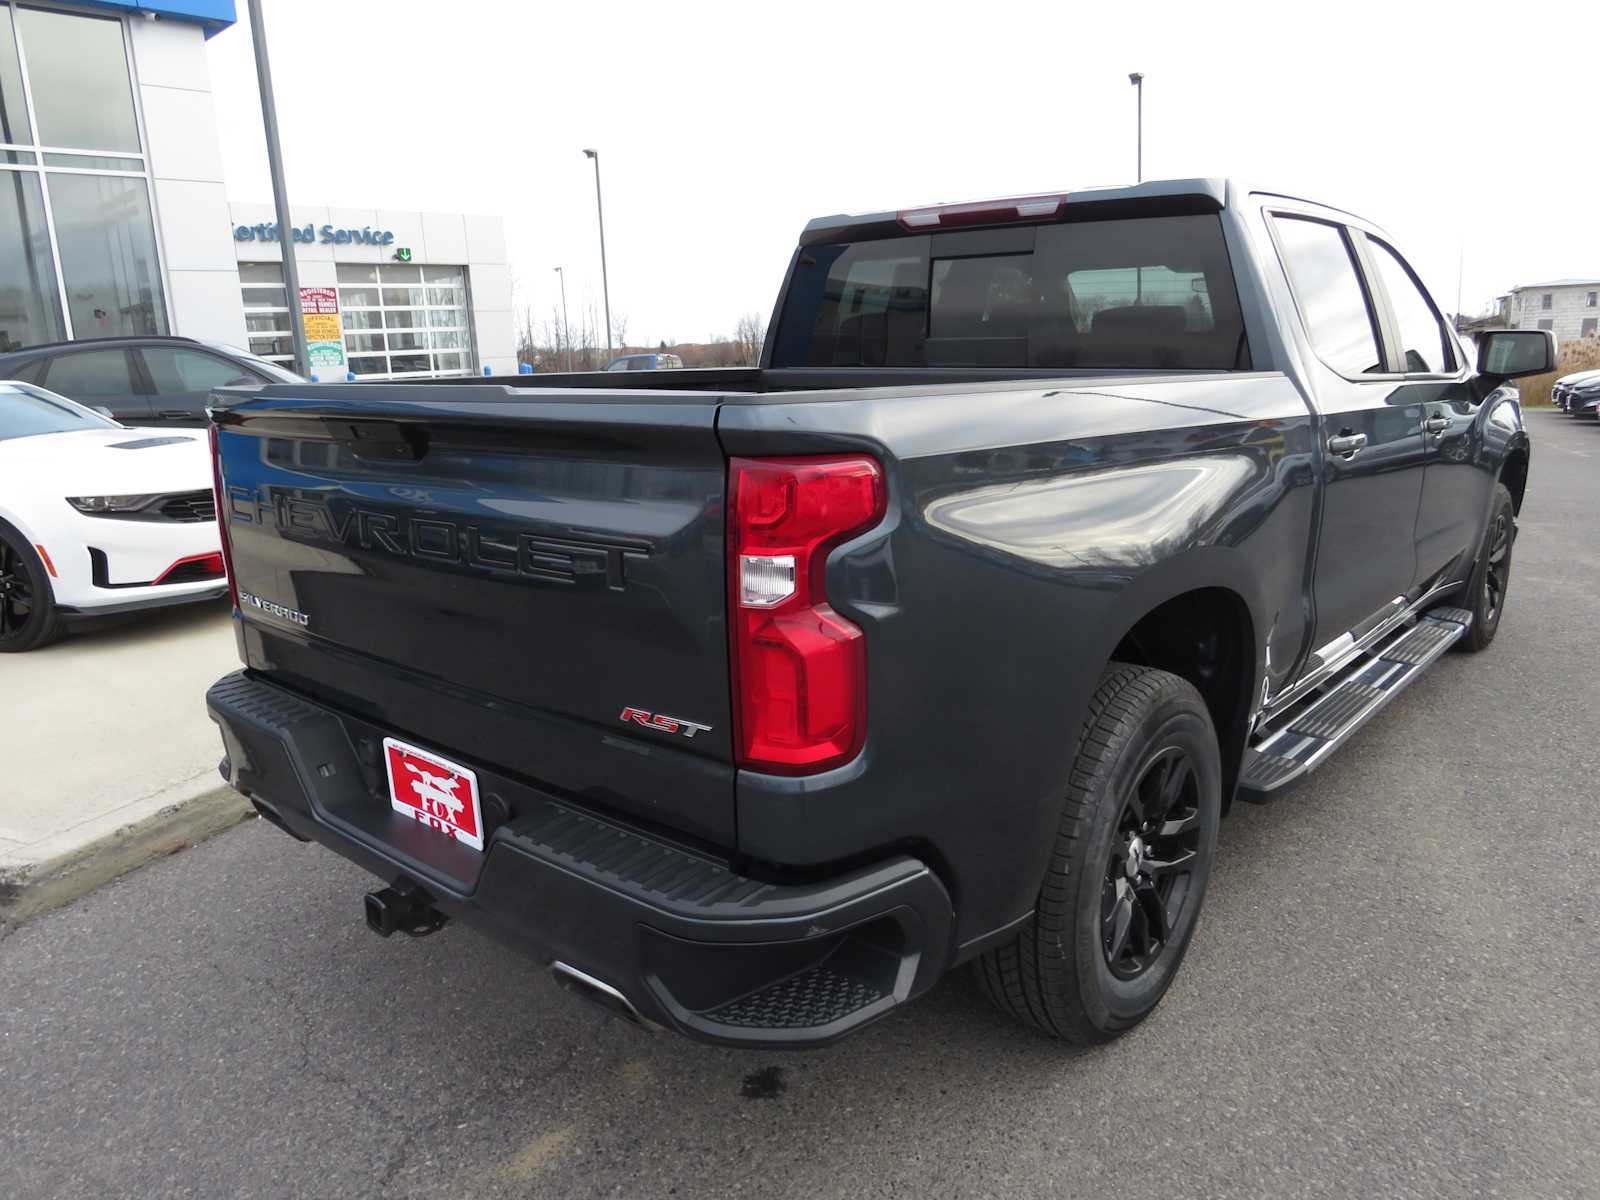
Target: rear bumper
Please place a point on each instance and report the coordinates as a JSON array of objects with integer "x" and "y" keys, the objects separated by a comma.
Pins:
[{"x": 690, "y": 944}]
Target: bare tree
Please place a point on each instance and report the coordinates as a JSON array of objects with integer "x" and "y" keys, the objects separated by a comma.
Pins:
[{"x": 748, "y": 335}]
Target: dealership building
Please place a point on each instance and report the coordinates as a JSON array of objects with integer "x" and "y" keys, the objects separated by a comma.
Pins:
[{"x": 115, "y": 221}]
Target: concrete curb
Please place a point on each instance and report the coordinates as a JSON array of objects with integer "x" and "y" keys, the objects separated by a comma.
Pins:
[{"x": 28, "y": 890}]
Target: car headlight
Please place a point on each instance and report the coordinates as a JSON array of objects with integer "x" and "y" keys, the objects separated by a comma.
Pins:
[{"x": 109, "y": 504}]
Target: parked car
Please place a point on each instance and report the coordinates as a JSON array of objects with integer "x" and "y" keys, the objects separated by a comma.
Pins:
[
  {"x": 145, "y": 381},
  {"x": 1582, "y": 396},
  {"x": 646, "y": 362},
  {"x": 97, "y": 518},
  {"x": 1563, "y": 388},
  {"x": 1047, "y": 528}
]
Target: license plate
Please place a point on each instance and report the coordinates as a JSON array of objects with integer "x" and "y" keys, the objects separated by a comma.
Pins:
[{"x": 435, "y": 791}]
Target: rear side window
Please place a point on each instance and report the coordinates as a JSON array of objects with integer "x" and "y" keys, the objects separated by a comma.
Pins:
[
  {"x": 1422, "y": 338},
  {"x": 90, "y": 373},
  {"x": 1328, "y": 289},
  {"x": 1152, "y": 292}
]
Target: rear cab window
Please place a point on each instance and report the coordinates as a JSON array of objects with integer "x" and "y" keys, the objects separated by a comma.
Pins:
[{"x": 1132, "y": 294}]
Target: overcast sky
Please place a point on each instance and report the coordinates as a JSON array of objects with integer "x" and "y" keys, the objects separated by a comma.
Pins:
[{"x": 724, "y": 127}]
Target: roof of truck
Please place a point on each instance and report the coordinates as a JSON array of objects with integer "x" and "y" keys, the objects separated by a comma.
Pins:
[{"x": 1205, "y": 194}]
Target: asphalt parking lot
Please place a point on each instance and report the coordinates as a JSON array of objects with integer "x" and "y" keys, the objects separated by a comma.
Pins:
[{"x": 1395, "y": 991}]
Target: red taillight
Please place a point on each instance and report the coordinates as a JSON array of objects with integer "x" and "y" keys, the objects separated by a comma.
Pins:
[
  {"x": 984, "y": 212},
  {"x": 222, "y": 524},
  {"x": 799, "y": 668}
]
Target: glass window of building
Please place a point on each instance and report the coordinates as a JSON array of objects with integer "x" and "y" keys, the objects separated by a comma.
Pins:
[
  {"x": 78, "y": 73},
  {"x": 266, "y": 313},
  {"x": 30, "y": 304},
  {"x": 74, "y": 162},
  {"x": 398, "y": 320},
  {"x": 14, "y": 127},
  {"x": 107, "y": 248}
]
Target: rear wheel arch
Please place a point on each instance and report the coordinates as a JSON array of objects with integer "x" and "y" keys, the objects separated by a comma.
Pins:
[{"x": 1207, "y": 636}]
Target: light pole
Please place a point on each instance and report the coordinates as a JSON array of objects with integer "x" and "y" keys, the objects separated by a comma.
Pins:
[
  {"x": 1137, "y": 79},
  {"x": 566, "y": 330},
  {"x": 605, "y": 286},
  {"x": 280, "y": 195}
]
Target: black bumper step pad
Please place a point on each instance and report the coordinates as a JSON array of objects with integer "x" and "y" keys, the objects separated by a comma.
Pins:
[
  {"x": 1420, "y": 644},
  {"x": 1340, "y": 708},
  {"x": 804, "y": 1001},
  {"x": 1265, "y": 772}
]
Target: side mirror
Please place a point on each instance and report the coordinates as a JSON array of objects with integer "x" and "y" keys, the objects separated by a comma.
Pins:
[{"x": 1514, "y": 353}]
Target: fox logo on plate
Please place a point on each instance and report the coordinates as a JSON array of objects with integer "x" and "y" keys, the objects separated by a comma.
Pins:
[{"x": 434, "y": 791}]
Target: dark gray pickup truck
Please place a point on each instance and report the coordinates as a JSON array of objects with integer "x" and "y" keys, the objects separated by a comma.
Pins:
[{"x": 754, "y": 701}]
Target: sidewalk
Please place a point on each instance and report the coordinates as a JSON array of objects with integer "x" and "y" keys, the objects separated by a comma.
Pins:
[{"x": 107, "y": 757}]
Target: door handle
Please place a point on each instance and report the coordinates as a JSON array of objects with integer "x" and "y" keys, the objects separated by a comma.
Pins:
[
  {"x": 175, "y": 414},
  {"x": 1346, "y": 445},
  {"x": 1436, "y": 424}
]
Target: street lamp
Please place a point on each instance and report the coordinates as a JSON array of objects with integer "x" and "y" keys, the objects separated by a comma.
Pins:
[
  {"x": 1137, "y": 79},
  {"x": 605, "y": 286},
  {"x": 566, "y": 330}
]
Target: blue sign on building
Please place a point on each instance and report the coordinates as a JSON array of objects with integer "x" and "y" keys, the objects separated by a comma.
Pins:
[{"x": 213, "y": 15}]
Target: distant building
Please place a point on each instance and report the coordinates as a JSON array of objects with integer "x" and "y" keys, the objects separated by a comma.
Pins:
[{"x": 1569, "y": 307}]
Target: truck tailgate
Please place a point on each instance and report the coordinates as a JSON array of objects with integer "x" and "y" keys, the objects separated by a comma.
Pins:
[{"x": 533, "y": 587}]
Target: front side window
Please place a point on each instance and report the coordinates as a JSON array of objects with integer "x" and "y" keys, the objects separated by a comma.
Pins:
[
  {"x": 27, "y": 413},
  {"x": 107, "y": 246},
  {"x": 1148, "y": 292},
  {"x": 1423, "y": 342},
  {"x": 1328, "y": 290},
  {"x": 175, "y": 371},
  {"x": 87, "y": 374},
  {"x": 77, "y": 68}
]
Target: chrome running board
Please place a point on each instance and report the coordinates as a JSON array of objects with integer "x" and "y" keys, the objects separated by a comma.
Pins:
[{"x": 1293, "y": 743}]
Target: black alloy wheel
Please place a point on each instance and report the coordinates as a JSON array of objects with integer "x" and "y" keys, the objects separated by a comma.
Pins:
[
  {"x": 1121, "y": 895},
  {"x": 28, "y": 614},
  {"x": 1491, "y": 575},
  {"x": 1497, "y": 575},
  {"x": 17, "y": 605},
  {"x": 1151, "y": 864}
]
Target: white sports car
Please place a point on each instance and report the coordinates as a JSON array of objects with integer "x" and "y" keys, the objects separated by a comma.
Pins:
[{"x": 96, "y": 517}]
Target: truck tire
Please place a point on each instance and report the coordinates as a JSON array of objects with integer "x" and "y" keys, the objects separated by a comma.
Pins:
[
  {"x": 29, "y": 618},
  {"x": 1491, "y": 576},
  {"x": 1129, "y": 868}
]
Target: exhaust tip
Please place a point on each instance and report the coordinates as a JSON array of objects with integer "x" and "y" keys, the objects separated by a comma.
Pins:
[{"x": 597, "y": 992}]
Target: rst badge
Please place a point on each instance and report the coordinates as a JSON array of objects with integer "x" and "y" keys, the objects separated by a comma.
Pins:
[{"x": 662, "y": 723}]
